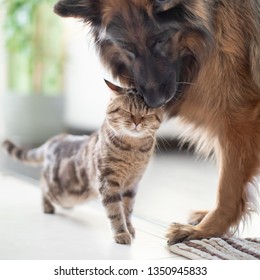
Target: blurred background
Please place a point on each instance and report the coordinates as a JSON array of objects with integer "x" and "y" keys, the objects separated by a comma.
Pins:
[{"x": 51, "y": 80}]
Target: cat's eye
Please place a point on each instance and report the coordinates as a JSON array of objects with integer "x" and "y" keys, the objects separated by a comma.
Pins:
[{"x": 125, "y": 111}]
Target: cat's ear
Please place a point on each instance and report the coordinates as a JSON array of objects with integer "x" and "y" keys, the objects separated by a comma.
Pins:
[
  {"x": 116, "y": 89},
  {"x": 88, "y": 10}
]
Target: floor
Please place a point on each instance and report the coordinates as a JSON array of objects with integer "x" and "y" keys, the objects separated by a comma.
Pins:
[{"x": 174, "y": 184}]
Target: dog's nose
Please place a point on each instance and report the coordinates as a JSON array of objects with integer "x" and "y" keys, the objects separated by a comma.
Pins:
[
  {"x": 154, "y": 102},
  {"x": 154, "y": 97}
]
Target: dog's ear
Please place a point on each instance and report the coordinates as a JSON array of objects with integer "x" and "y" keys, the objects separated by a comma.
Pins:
[{"x": 87, "y": 10}]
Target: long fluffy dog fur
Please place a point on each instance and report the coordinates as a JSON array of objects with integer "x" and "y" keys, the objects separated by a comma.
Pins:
[{"x": 207, "y": 69}]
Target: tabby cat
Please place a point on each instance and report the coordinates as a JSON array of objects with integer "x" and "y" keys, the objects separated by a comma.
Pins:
[{"x": 109, "y": 162}]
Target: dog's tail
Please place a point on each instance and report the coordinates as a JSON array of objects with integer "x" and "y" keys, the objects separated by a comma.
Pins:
[{"x": 31, "y": 157}]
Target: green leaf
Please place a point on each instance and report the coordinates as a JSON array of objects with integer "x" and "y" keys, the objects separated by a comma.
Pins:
[{"x": 34, "y": 43}]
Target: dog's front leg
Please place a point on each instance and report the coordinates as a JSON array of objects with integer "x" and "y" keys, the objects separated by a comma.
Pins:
[{"x": 239, "y": 163}]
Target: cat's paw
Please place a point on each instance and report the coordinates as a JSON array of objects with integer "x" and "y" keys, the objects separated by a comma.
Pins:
[
  {"x": 131, "y": 229},
  {"x": 180, "y": 233},
  {"x": 123, "y": 238},
  {"x": 48, "y": 209}
]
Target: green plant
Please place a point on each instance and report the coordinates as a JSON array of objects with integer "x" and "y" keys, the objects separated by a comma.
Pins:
[{"x": 34, "y": 45}]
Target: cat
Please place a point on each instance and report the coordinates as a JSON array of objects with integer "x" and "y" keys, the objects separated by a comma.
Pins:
[{"x": 109, "y": 163}]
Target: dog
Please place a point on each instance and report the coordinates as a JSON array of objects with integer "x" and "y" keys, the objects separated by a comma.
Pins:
[{"x": 200, "y": 59}]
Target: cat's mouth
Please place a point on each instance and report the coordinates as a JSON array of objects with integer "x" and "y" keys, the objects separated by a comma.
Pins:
[{"x": 134, "y": 130}]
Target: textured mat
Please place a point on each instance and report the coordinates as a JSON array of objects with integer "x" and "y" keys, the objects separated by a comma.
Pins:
[{"x": 219, "y": 249}]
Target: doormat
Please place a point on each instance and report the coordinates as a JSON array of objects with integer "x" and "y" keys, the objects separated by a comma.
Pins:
[{"x": 219, "y": 249}]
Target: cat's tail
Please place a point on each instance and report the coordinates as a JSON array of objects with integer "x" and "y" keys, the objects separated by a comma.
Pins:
[{"x": 32, "y": 156}]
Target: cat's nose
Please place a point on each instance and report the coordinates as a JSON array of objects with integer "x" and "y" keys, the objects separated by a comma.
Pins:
[{"x": 137, "y": 120}]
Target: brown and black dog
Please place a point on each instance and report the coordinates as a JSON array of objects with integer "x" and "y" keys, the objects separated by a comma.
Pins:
[{"x": 201, "y": 60}]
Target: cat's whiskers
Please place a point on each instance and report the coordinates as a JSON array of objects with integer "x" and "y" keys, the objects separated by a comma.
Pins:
[
  {"x": 158, "y": 147},
  {"x": 155, "y": 140},
  {"x": 152, "y": 136},
  {"x": 163, "y": 140}
]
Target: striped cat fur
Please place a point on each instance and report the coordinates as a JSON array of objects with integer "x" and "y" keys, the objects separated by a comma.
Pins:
[{"x": 109, "y": 163}]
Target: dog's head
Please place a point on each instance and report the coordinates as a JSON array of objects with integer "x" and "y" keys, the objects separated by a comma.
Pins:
[{"x": 155, "y": 45}]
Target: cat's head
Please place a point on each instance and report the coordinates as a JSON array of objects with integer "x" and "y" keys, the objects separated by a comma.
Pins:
[{"x": 127, "y": 113}]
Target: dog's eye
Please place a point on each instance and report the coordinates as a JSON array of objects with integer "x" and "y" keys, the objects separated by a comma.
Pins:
[
  {"x": 162, "y": 41},
  {"x": 127, "y": 47}
]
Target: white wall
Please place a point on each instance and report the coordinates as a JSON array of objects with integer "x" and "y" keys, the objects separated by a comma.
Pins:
[{"x": 86, "y": 92}]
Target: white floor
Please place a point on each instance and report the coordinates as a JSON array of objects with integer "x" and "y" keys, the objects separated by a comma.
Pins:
[{"x": 172, "y": 186}]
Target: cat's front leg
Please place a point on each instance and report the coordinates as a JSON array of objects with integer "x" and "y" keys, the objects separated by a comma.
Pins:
[
  {"x": 112, "y": 201},
  {"x": 128, "y": 202}
]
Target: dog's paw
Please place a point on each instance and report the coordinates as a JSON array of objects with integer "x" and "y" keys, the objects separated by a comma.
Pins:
[
  {"x": 179, "y": 233},
  {"x": 123, "y": 238},
  {"x": 196, "y": 217}
]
